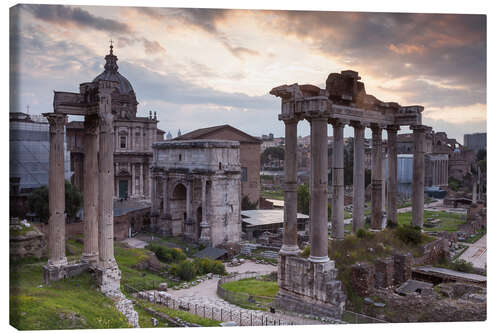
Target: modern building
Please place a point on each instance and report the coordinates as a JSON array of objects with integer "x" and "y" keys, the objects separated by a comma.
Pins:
[
  {"x": 29, "y": 158},
  {"x": 249, "y": 155},
  {"x": 475, "y": 141},
  {"x": 134, "y": 137}
]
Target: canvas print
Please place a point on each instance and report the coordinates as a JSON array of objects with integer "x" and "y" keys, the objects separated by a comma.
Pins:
[{"x": 190, "y": 167}]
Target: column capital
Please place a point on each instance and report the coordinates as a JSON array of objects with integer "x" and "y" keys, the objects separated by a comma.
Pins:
[
  {"x": 393, "y": 128},
  {"x": 56, "y": 121},
  {"x": 290, "y": 121},
  {"x": 358, "y": 124},
  {"x": 338, "y": 122}
]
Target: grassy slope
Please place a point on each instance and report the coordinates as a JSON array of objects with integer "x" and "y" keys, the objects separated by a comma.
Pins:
[
  {"x": 76, "y": 302},
  {"x": 71, "y": 303}
]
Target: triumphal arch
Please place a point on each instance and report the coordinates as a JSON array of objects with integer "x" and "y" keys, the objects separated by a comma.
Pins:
[{"x": 310, "y": 285}]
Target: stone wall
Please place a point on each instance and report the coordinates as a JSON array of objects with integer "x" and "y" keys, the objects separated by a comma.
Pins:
[
  {"x": 30, "y": 244},
  {"x": 433, "y": 252}
]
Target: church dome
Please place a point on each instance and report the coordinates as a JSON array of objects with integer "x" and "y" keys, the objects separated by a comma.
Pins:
[{"x": 111, "y": 74}]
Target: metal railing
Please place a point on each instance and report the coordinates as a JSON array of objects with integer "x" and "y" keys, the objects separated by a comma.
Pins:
[{"x": 240, "y": 317}]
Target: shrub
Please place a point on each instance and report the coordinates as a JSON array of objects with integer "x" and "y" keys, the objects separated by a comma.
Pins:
[
  {"x": 188, "y": 269},
  {"x": 206, "y": 265},
  {"x": 362, "y": 233},
  {"x": 462, "y": 266},
  {"x": 185, "y": 270},
  {"x": 391, "y": 224},
  {"x": 306, "y": 252},
  {"x": 409, "y": 234},
  {"x": 166, "y": 254}
]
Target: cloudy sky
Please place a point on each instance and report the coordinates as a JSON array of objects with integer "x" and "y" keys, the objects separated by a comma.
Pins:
[{"x": 205, "y": 67}]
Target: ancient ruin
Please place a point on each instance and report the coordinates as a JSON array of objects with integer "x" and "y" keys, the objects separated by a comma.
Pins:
[
  {"x": 307, "y": 283},
  {"x": 196, "y": 190}
]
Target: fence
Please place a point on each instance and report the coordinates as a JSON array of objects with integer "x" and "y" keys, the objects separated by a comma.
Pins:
[
  {"x": 240, "y": 317},
  {"x": 358, "y": 318},
  {"x": 243, "y": 299}
]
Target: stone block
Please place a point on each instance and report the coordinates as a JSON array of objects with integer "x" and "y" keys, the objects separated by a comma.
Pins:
[
  {"x": 55, "y": 273},
  {"x": 384, "y": 272},
  {"x": 108, "y": 279},
  {"x": 402, "y": 267},
  {"x": 363, "y": 278}
]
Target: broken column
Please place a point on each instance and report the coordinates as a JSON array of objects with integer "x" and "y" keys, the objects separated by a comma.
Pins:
[
  {"x": 358, "y": 197},
  {"x": 338, "y": 179},
  {"x": 384, "y": 272},
  {"x": 57, "y": 216},
  {"x": 363, "y": 278},
  {"x": 402, "y": 267},
  {"x": 289, "y": 246},
  {"x": 392, "y": 183},
  {"x": 417, "y": 197},
  {"x": 108, "y": 275},
  {"x": 319, "y": 192},
  {"x": 376, "y": 221},
  {"x": 90, "y": 191}
]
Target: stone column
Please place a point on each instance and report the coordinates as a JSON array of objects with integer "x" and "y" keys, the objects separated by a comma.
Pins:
[
  {"x": 392, "y": 184},
  {"x": 141, "y": 180},
  {"x": 90, "y": 191},
  {"x": 106, "y": 177},
  {"x": 205, "y": 227},
  {"x": 417, "y": 186},
  {"x": 376, "y": 221},
  {"x": 57, "y": 215},
  {"x": 188, "y": 208},
  {"x": 132, "y": 193},
  {"x": 165, "y": 196},
  {"x": 338, "y": 180},
  {"x": 289, "y": 246},
  {"x": 358, "y": 198},
  {"x": 319, "y": 192}
]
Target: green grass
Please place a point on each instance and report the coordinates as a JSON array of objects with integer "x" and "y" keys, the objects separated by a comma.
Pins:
[
  {"x": 184, "y": 315},
  {"x": 70, "y": 303},
  {"x": 449, "y": 221},
  {"x": 473, "y": 239},
  {"x": 277, "y": 195},
  {"x": 253, "y": 287}
]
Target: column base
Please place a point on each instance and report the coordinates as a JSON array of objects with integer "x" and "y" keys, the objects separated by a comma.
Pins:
[
  {"x": 291, "y": 250},
  {"x": 108, "y": 280},
  {"x": 318, "y": 259},
  {"x": 309, "y": 287},
  {"x": 90, "y": 258},
  {"x": 205, "y": 238},
  {"x": 53, "y": 273}
]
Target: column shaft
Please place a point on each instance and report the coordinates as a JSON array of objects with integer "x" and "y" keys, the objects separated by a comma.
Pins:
[
  {"x": 132, "y": 192},
  {"x": 290, "y": 190},
  {"x": 392, "y": 184},
  {"x": 57, "y": 215},
  {"x": 165, "y": 199},
  {"x": 358, "y": 199},
  {"x": 376, "y": 221},
  {"x": 90, "y": 191},
  {"x": 204, "y": 232},
  {"x": 418, "y": 176},
  {"x": 106, "y": 179},
  {"x": 141, "y": 180},
  {"x": 338, "y": 180},
  {"x": 319, "y": 192}
]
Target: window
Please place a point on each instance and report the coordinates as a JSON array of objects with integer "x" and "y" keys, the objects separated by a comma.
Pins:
[
  {"x": 123, "y": 142},
  {"x": 244, "y": 174},
  {"x": 220, "y": 166}
]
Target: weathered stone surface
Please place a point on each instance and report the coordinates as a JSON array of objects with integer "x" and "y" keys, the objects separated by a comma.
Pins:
[
  {"x": 26, "y": 242},
  {"x": 309, "y": 287},
  {"x": 413, "y": 286},
  {"x": 53, "y": 273},
  {"x": 402, "y": 267},
  {"x": 384, "y": 272},
  {"x": 363, "y": 278}
]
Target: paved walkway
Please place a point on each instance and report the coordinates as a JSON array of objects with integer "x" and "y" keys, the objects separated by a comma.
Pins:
[
  {"x": 476, "y": 253},
  {"x": 208, "y": 288}
]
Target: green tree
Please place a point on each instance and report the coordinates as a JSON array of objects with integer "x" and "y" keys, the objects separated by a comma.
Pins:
[
  {"x": 246, "y": 204},
  {"x": 481, "y": 155},
  {"x": 303, "y": 199},
  {"x": 38, "y": 201},
  {"x": 268, "y": 153}
]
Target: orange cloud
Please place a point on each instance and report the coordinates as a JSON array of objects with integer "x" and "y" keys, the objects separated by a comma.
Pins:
[{"x": 407, "y": 49}]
